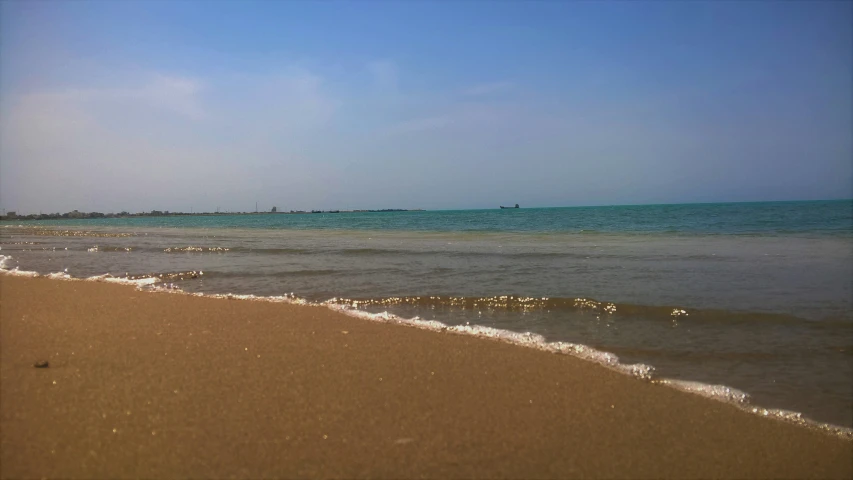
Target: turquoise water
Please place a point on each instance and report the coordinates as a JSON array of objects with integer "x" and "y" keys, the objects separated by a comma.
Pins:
[
  {"x": 769, "y": 218},
  {"x": 756, "y": 296}
]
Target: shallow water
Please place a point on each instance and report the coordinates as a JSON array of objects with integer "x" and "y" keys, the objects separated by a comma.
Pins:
[{"x": 755, "y": 296}]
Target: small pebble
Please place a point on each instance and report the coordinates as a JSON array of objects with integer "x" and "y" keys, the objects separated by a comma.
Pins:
[{"x": 42, "y": 364}]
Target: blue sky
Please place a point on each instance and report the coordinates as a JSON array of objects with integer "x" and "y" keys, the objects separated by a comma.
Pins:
[{"x": 137, "y": 106}]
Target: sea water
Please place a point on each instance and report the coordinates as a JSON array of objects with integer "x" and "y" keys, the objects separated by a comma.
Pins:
[{"x": 754, "y": 296}]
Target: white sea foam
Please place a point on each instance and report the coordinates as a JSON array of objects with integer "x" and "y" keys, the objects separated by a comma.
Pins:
[
  {"x": 5, "y": 261},
  {"x": 16, "y": 272},
  {"x": 59, "y": 276},
  {"x": 527, "y": 339},
  {"x": 717, "y": 392},
  {"x": 138, "y": 282},
  {"x": 645, "y": 372},
  {"x": 64, "y": 275}
]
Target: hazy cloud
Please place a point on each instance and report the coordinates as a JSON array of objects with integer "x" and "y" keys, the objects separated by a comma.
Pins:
[
  {"x": 154, "y": 113},
  {"x": 293, "y": 139},
  {"x": 279, "y": 105},
  {"x": 470, "y": 117},
  {"x": 176, "y": 94},
  {"x": 384, "y": 73},
  {"x": 122, "y": 144}
]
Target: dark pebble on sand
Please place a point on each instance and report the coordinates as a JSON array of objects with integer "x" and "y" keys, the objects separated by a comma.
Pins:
[{"x": 43, "y": 364}]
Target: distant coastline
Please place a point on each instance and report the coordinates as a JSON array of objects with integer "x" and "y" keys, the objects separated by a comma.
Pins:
[
  {"x": 157, "y": 213},
  {"x": 11, "y": 215}
]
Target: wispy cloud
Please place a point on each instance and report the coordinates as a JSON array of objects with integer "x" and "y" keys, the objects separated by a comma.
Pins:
[
  {"x": 157, "y": 92},
  {"x": 165, "y": 133},
  {"x": 458, "y": 117},
  {"x": 178, "y": 94},
  {"x": 294, "y": 101},
  {"x": 299, "y": 137},
  {"x": 385, "y": 74}
]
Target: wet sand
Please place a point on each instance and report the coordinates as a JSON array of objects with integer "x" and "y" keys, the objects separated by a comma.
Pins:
[{"x": 157, "y": 385}]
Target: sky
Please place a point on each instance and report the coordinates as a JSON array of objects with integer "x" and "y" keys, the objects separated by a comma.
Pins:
[{"x": 180, "y": 106}]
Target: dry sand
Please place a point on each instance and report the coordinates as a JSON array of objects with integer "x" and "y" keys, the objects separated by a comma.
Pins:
[{"x": 156, "y": 385}]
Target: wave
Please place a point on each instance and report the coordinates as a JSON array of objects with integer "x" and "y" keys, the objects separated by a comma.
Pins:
[
  {"x": 520, "y": 303},
  {"x": 289, "y": 273},
  {"x": 4, "y": 262},
  {"x": 383, "y": 252},
  {"x": 608, "y": 360},
  {"x": 53, "y": 232},
  {"x": 97, "y": 248},
  {"x": 136, "y": 280},
  {"x": 676, "y": 314},
  {"x": 192, "y": 249}
]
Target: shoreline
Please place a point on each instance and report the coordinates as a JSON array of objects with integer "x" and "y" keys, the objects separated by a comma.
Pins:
[
  {"x": 723, "y": 393},
  {"x": 210, "y": 387},
  {"x": 726, "y": 394}
]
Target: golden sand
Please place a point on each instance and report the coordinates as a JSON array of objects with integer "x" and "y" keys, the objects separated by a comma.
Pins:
[{"x": 158, "y": 385}]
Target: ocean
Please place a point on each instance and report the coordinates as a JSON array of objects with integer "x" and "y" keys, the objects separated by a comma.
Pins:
[{"x": 755, "y": 297}]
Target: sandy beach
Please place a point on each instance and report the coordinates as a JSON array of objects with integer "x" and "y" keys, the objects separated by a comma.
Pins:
[{"x": 157, "y": 385}]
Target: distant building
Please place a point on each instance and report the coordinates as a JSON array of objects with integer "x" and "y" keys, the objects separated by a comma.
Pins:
[{"x": 274, "y": 209}]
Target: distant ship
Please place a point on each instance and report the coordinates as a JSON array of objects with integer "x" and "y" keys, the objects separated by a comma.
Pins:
[{"x": 516, "y": 206}]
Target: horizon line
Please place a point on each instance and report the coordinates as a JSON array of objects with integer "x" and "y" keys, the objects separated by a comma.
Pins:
[{"x": 377, "y": 210}]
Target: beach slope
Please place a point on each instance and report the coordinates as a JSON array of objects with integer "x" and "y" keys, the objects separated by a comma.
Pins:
[{"x": 157, "y": 385}]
